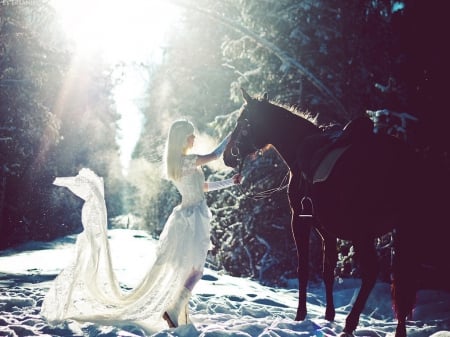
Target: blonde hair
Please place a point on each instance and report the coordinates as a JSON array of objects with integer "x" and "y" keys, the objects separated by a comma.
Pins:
[{"x": 179, "y": 131}]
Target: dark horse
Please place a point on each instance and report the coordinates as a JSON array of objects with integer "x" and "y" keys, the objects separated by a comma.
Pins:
[{"x": 377, "y": 186}]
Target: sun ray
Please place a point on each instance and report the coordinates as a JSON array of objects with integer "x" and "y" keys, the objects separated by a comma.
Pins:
[{"x": 125, "y": 33}]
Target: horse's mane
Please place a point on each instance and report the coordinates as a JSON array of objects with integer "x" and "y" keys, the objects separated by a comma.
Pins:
[{"x": 309, "y": 116}]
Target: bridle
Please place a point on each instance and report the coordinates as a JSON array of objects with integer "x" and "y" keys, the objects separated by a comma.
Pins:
[{"x": 244, "y": 131}]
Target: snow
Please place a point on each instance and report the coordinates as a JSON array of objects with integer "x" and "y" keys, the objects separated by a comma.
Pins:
[{"x": 221, "y": 305}]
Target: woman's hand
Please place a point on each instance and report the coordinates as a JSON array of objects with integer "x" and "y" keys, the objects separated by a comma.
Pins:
[{"x": 237, "y": 178}]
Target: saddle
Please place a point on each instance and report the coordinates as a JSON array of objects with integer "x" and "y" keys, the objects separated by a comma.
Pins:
[{"x": 321, "y": 152}]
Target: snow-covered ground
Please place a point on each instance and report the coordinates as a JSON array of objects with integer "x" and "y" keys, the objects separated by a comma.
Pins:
[{"x": 221, "y": 305}]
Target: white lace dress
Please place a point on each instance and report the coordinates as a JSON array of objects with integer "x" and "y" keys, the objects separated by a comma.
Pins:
[{"x": 87, "y": 289}]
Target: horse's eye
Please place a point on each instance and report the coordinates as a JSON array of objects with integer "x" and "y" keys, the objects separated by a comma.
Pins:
[{"x": 244, "y": 133}]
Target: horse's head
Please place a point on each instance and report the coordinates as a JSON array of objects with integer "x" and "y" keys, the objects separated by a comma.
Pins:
[{"x": 250, "y": 134}]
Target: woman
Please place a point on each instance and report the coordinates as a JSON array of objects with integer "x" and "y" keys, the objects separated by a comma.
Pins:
[
  {"x": 183, "y": 169},
  {"x": 87, "y": 290}
]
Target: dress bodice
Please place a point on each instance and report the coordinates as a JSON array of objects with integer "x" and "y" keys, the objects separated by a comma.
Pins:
[{"x": 190, "y": 185}]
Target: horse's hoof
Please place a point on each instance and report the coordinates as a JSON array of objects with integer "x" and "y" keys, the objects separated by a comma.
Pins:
[
  {"x": 401, "y": 330},
  {"x": 346, "y": 334},
  {"x": 329, "y": 315},
  {"x": 329, "y": 318},
  {"x": 301, "y": 315}
]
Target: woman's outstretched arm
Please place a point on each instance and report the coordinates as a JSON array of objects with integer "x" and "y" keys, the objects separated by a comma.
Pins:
[{"x": 215, "y": 154}]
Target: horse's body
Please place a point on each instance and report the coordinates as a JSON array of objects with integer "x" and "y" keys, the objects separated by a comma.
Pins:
[{"x": 376, "y": 187}]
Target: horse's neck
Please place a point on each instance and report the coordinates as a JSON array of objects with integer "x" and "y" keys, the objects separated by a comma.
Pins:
[{"x": 292, "y": 135}]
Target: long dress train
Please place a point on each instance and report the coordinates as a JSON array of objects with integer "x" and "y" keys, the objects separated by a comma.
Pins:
[{"x": 88, "y": 290}]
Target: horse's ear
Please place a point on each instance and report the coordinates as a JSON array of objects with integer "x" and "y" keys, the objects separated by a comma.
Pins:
[
  {"x": 266, "y": 96},
  {"x": 246, "y": 96}
]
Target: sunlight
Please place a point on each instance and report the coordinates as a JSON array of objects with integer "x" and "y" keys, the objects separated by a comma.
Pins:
[
  {"x": 127, "y": 33},
  {"x": 127, "y": 95}
]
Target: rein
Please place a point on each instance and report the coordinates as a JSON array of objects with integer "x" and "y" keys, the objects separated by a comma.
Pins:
[{"x": 267, "y": 193}]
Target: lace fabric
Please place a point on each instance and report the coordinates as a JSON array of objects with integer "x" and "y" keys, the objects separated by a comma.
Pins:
[{"x": 88, "y": 290}]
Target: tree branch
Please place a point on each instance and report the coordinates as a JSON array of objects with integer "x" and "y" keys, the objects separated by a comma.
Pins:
[{"x": 281, "y": 54}]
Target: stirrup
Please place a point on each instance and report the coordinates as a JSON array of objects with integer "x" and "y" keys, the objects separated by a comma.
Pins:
[{"x": 169, "y": 321}]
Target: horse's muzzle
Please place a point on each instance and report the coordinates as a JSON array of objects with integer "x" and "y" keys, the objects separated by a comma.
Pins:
[{"x": 230, "y": 160}]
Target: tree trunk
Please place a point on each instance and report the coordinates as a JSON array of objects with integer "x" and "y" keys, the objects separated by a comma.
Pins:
[{"x": 2, "y": 200}]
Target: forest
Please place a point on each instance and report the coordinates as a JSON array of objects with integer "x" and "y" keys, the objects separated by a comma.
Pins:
[{"x": 336, "y": 60}]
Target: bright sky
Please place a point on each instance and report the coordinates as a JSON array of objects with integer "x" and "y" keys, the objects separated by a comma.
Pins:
[{"x": 129, "y": 32}]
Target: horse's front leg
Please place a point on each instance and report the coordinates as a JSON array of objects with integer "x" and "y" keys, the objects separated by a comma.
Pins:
[
  {"x": 301, "y": 228},
  {"x": 329, "y": 251},
  {"x": 369, "y": 271}
]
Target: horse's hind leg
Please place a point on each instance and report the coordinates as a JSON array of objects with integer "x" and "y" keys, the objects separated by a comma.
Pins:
[
  {"x": 369, "y": 271},
  {"x": 404, "y": 284}
]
